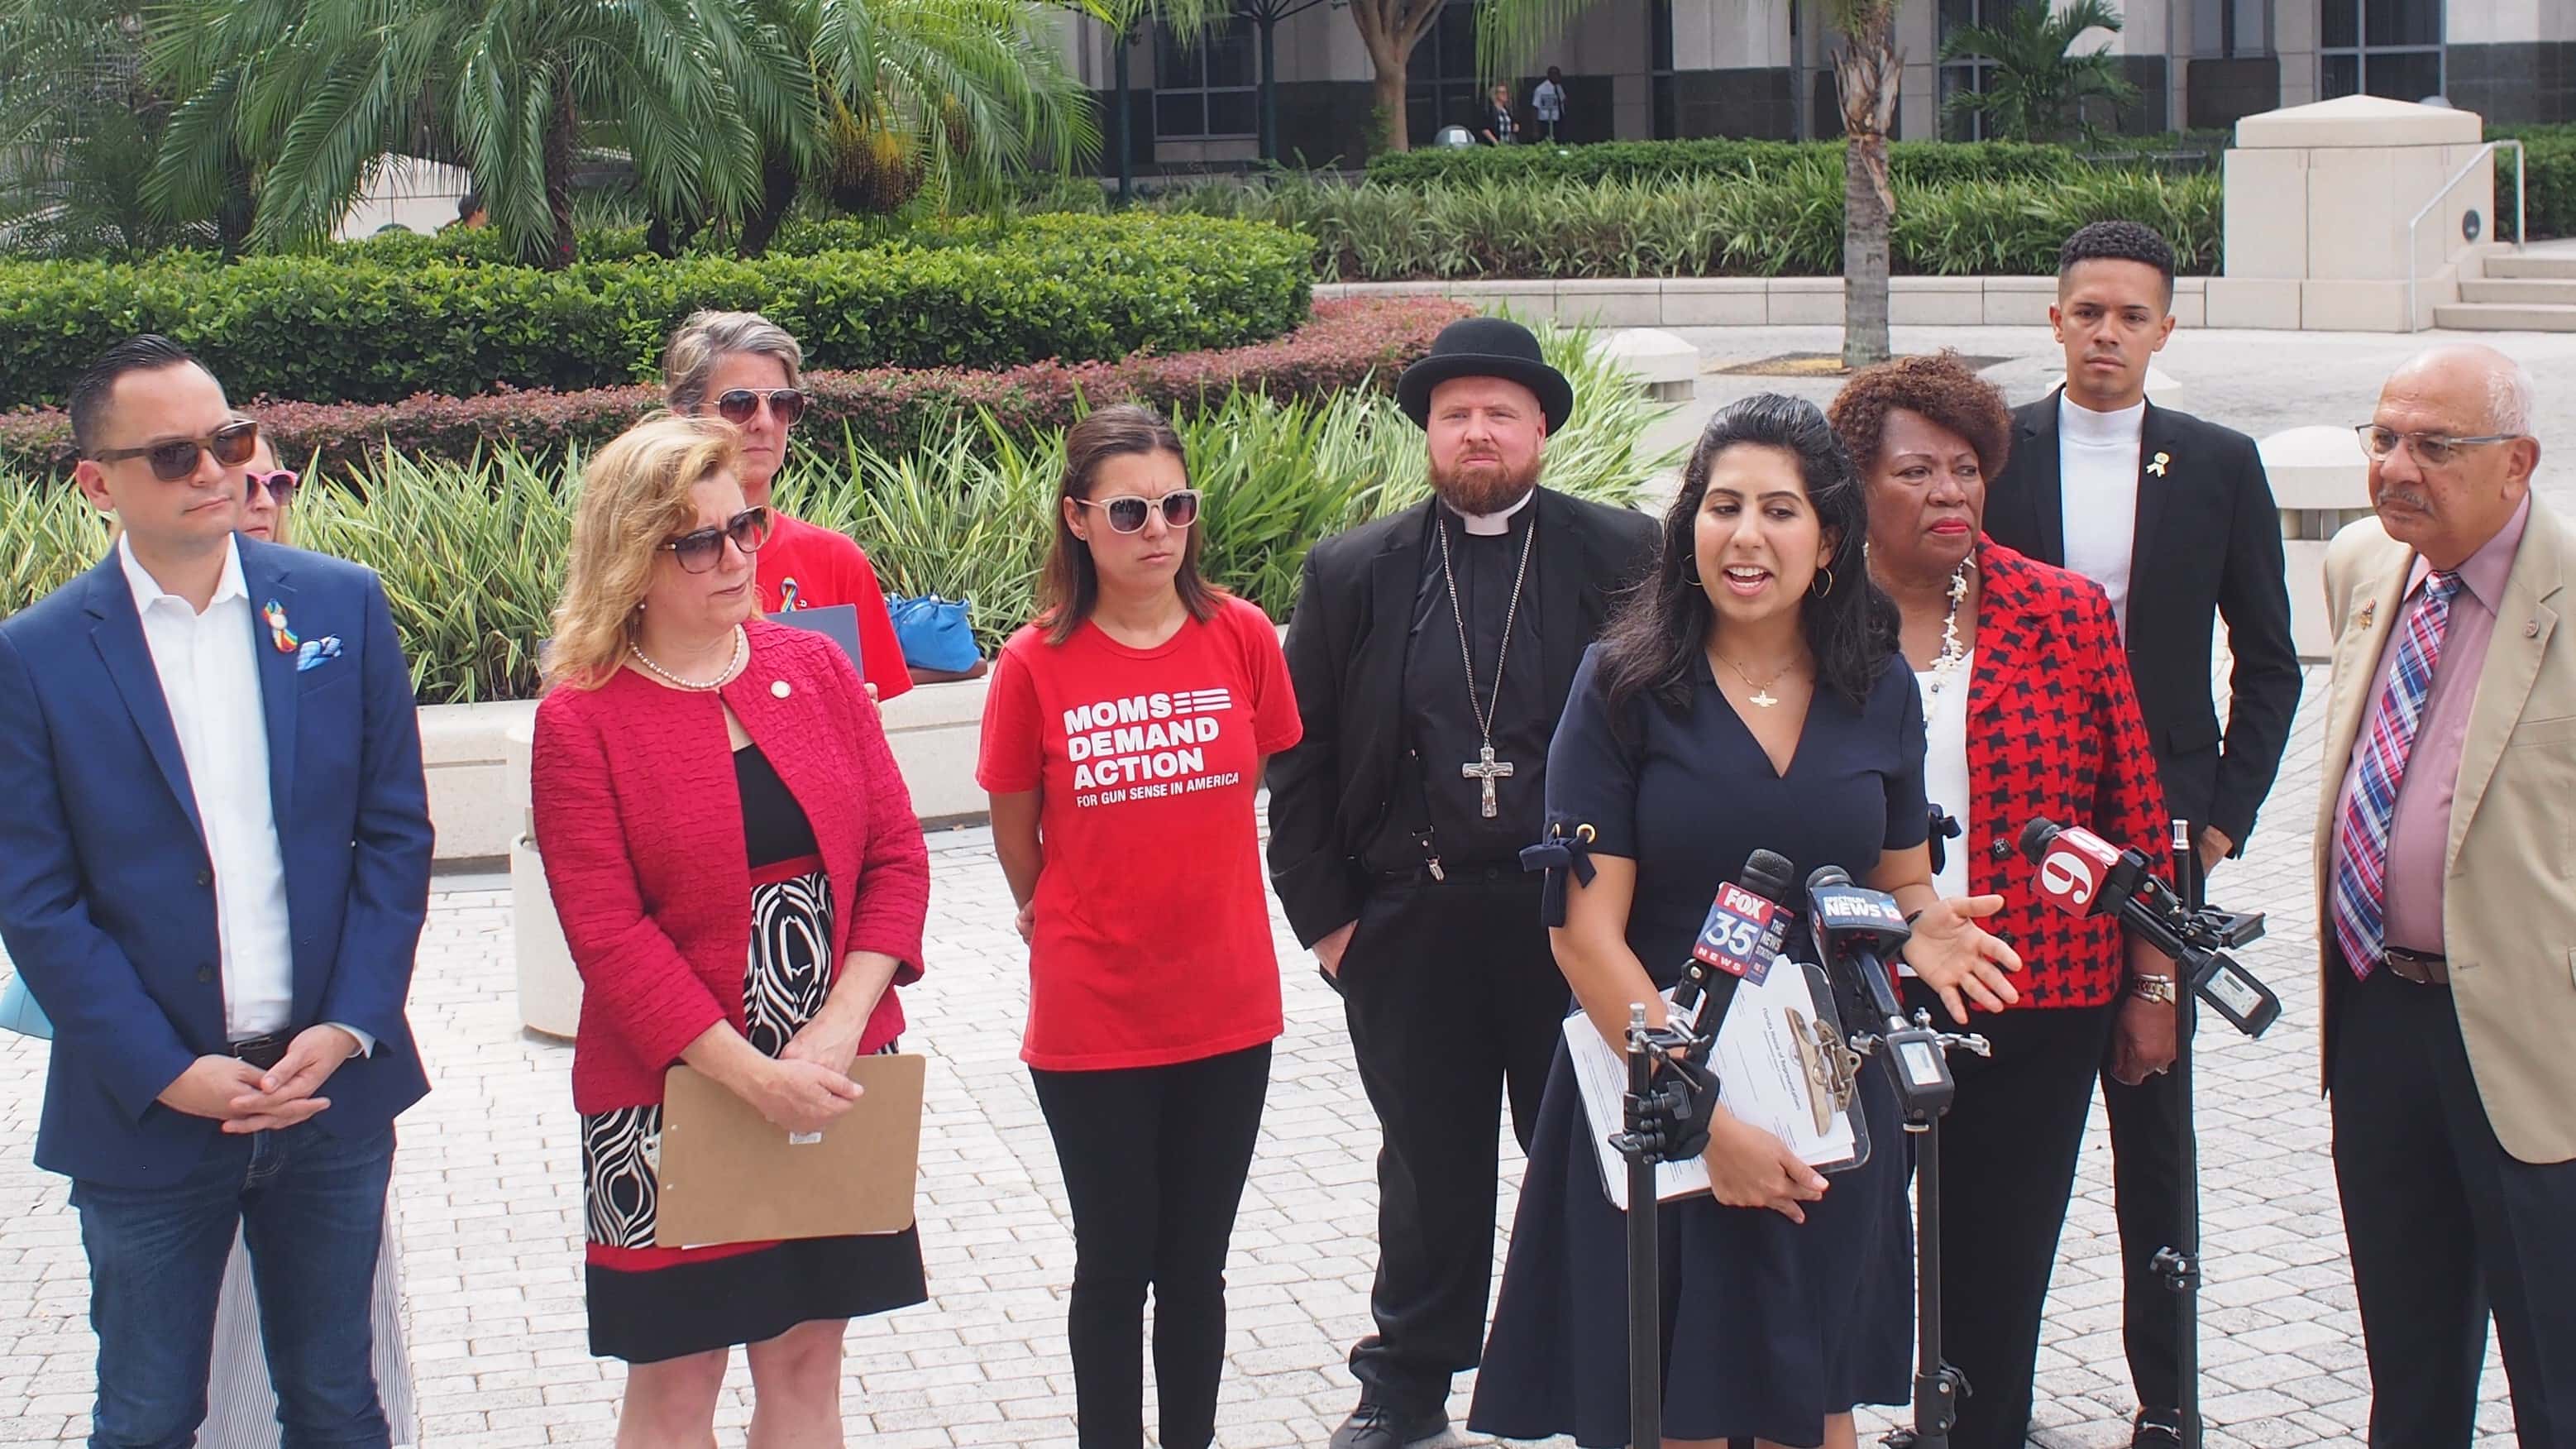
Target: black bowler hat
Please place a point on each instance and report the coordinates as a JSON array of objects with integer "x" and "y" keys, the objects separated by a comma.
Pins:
[{"x": 1485, "y": 347}]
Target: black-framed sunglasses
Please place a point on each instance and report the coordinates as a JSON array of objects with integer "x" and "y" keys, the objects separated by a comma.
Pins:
[
  {"x": 785, "y": 404},
  {"x": 280, "y": 485},
  {"x": 172, "y": 461},
  {"x": 1128, "y": 512},
  {"x": 698, "y": 549}
]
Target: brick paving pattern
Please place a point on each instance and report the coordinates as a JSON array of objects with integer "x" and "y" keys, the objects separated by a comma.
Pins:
[{"x": 488, "y": 1189}]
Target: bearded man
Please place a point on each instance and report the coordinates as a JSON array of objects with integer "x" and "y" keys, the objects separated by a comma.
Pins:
[{"x": 1431, "y": 653}]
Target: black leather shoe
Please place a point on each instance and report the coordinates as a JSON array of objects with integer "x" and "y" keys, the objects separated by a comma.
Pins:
[
  {"x": 2156, "y": 1429},
  {"x": 1375, "y": 1426}
]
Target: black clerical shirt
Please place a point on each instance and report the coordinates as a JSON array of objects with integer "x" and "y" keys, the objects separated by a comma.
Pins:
[{"x": 1441, "y": 730}]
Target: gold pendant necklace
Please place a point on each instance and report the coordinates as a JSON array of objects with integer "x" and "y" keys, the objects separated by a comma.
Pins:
[{"x": 1762, "y": 696}]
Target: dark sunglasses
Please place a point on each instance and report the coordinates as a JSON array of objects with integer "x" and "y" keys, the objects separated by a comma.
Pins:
[
  {"x": 1128, "y": 512},
  {"x": 785, "y": 404},
  {"x": 280, "y": 485},
  {"x": 232, "y": 444},
  {"x": 698, "y": 550}
]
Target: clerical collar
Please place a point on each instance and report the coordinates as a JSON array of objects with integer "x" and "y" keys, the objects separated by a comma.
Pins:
[
  {"x": 1490, "y": 525},
  {"x": 2083, "y": 426}
]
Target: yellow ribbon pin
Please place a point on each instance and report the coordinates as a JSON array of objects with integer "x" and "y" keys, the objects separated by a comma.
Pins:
[{"x": 2157, "y": 466}]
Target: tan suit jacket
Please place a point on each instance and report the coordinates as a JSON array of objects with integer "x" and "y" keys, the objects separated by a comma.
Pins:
[{"x": 2509, "y": 887}]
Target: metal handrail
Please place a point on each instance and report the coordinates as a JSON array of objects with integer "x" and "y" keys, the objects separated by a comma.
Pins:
[{"x": 2521, "y": 218}]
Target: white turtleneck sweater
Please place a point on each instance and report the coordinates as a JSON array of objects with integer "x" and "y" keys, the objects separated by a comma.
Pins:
[{"x": 2097, "y": 462}]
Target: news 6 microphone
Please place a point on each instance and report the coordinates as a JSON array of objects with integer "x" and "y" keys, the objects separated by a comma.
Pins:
[
  {"x": 1863, "y": 927},
  {"x": 2082, "y": 874},
  {"x": 1745, "y": 929}
]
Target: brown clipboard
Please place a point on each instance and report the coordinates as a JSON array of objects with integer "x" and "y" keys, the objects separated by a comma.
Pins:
[{"x": 728, "y": 1175}]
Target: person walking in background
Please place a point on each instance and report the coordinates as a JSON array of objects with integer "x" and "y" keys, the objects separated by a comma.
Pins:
[
  {"x": 2028, "y": 712},
  {"x": 1431, "y": 653},
  {"x": 2447, "y": 907},
  {"x": 1500, "y": 127},
  {"x": 2173, "y": 517},
  {"x": 214, "y": 867},
  {"x": 1548, "y": 102},
  {"x": 746, "y": 369},
  {"x": 742, "y": 884},
  {"x": 1129, "y": 724}
]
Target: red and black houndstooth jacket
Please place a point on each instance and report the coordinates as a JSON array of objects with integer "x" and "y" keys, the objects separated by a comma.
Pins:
[{"x": 2053, "y": 730}]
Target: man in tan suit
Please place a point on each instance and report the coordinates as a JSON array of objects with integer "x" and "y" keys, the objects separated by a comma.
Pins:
[{"x": 2446, "y": 867}]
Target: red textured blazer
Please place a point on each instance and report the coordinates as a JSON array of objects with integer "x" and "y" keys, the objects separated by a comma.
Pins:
[
  {"x": 2053, "y": 730},
  {"x": 640, "y": 825}
]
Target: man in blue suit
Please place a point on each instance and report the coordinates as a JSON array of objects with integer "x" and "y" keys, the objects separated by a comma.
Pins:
[{"x": 214, "y": 864}]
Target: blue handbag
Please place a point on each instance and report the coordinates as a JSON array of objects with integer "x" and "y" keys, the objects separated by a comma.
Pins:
[
  {"x": 934, "y": 632},
  {"x": 19, "y": 1011}
]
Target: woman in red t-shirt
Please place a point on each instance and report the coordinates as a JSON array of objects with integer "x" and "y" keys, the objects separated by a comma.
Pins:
[
  {"x": 1124, "y": 735},
  {"x": 744, "y": 368}
]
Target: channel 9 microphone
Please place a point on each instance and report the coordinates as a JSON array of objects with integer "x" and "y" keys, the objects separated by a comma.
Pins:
[{"x": 2082, "y": 874}]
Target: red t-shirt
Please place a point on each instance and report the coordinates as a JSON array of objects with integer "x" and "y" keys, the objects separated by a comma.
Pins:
[
  {"x": 805, "y": 567},
  {"x": 1152, "y": 941}
]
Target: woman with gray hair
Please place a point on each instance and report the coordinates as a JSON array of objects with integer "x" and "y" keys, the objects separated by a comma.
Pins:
[{"x": 745, "y": 369}]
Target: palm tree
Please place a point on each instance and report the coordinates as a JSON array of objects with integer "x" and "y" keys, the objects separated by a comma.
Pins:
[
  {"x": 2036, "y": 90},
  {"x": 78, "y": 123},
  {"x": 1866, "y": 71},
  {"x": 320, "y": 93}
]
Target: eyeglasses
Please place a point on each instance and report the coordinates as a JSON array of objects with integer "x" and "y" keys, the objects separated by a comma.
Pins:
[
  {"x": 172, "y": 461},
  {"x": 698, "y": 550},
  {"x": 785, "y": 404},
  {"x": 1128, "y": 512},
  {"x": 2430, "y": 449},
  {"x": 280, "y": 485}
]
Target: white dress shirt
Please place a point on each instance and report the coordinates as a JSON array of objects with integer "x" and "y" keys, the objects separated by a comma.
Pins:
[
  {"x": 2097, "y": 462},
  {"x": 1945, "y": 769},
  {"x": 209, "y": 671}
]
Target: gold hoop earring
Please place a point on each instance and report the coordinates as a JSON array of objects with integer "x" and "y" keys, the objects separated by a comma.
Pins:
[
  {"x": 1692, "y": 574},
  {"x": 1828, "y": 589}
]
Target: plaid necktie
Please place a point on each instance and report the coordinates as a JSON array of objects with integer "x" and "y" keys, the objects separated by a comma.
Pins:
[{"x": 2361, "y": 864}]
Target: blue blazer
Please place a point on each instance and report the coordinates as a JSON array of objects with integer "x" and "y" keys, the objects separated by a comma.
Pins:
[{"x": 106, "y": 891}]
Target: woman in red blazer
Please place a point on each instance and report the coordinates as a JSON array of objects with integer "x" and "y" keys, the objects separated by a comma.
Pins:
[
  {"x": 742, "y": 883},
  {"x": 2028, "y": 712}
]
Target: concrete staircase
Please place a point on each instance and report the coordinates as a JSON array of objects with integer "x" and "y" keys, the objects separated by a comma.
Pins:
[{"x": 2533, "y": 292}]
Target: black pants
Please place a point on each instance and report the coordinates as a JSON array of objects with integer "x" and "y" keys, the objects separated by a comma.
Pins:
[
  {"x": 1154, "y": 1163},
  {"x": 2146, "y": 1196},
  {"x": 2444, "y": 1225},
  {"x": 2008, "y": 1152},
  {"x": 1453, "y": 998}
]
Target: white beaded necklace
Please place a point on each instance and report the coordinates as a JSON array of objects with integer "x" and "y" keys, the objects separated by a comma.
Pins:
[
  {"x": 1953, "y": 649},
  {"x": 732, "y": 667}
]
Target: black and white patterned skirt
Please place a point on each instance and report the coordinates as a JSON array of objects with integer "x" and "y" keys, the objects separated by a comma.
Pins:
[{"x": 649, "y": 1303}]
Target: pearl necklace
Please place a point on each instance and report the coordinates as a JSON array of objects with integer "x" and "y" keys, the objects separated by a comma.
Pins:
[
  {"x": 732, "y": 667},
  {"x": 1953, "y": 650}
]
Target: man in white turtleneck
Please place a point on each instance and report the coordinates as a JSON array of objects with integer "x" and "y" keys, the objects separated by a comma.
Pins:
[{"x": 2173, "y": 517}]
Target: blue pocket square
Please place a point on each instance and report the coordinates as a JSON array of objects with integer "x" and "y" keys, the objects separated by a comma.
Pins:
[{"x": 314, "y": 653}]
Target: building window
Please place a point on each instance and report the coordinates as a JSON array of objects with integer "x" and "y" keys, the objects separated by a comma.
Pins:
[
  {"x": 1205, "y": 91},
  {"x": 1440, "y": 86},
  {"x": 1659, "y": 68},
  {"x": 1971, "y": 73},
  {"x": 2389, "y": 48}
]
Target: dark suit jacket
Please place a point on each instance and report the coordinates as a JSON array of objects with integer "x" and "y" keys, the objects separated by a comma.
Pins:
[
  {"x": 106, "y": 892},
  {"x": 1345, "y": 646},
  {"x": 2208, "y": 543}
]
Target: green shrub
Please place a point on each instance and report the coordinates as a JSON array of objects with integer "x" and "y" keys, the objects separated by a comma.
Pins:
[
  {"x": 1920, "y": 162},
  {"x": 472, "y": 553},
  {"x": 328, "y": 329},
  {"x": 2551, "y": 193}
]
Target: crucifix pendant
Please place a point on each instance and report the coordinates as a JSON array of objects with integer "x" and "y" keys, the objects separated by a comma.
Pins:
[
  {"x": 1485, "y": 770},
  {"x": 1762, "y": 699}
]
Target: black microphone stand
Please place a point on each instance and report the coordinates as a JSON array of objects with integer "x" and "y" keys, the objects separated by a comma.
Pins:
[
  {"x": 1654, "y": 1118},
  {"x": 2179, "y": 1264}
]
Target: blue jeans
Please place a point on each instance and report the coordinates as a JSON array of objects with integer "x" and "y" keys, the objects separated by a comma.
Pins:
[{"x": 311, "y": 1208}]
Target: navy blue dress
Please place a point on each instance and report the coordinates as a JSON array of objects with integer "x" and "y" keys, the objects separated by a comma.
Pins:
[{"x": 1768, "y": 1325}]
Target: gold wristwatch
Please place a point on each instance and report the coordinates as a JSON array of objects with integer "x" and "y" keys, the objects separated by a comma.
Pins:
[{"x": 2158, "y": 989}]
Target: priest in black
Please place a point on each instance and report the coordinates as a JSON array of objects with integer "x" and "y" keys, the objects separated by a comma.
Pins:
[
  {"x": 1431, "y": 652},
  {"x": 2174, "y": 518}
]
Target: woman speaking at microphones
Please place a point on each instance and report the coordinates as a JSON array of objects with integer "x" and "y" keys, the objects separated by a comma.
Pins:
[
  {"x": 1746, "y": 698},
  {"x": 2028, "y": 712}
]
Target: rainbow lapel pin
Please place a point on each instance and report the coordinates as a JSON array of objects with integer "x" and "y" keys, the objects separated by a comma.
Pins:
[
  {"x": 2157, "y": 466},
  {"x": 786, "y": 596},
  {"x": 274, "y": 615}
]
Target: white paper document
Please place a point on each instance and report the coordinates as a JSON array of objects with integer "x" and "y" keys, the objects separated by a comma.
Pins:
[{"x": 1765, "y": 1078}]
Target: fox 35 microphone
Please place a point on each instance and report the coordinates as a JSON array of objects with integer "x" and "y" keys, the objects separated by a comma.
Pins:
[
  {"x": 1863, "y": 927},
  {"x": 1742, "y": 936},
  {"x": 2082, "y": 874}
]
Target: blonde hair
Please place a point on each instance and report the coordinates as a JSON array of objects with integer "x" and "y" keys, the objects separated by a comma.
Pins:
[
  {"x": 634, "y": 497},
  {"x": 282, "y": 533},
  {"x": 708, "y": 338}
]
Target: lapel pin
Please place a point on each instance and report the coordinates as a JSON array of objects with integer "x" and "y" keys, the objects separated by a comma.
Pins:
[
  {"x": 786, "y": 596},
  {"x": 2368, "y": 609},
  {"x": 778, "y": 688},
  {"x": 2531, "y": 629},
  {"x": 274, "y": 615},
  {"x": 2157, "y": 466}
]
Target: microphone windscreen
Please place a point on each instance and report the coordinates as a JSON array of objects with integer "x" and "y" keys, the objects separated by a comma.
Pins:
[
  {"x": 2036, "y": 835},
  {"x": 1768, "y": 873},
  {"x": 1824, "y": 876}
]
